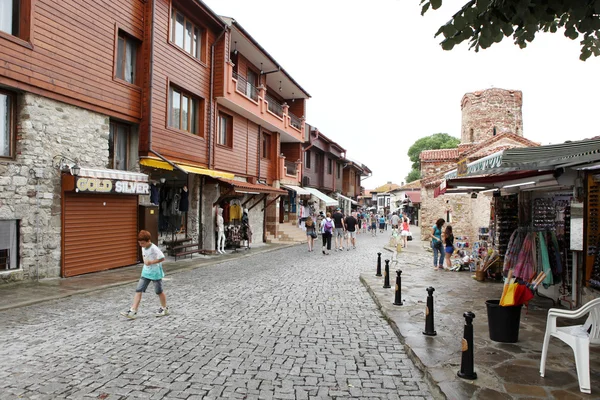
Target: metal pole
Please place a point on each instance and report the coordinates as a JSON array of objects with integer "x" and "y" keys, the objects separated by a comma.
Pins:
[
  {"x": 429, "y": 331},
  {"x": 386, "y": 276},
  {"x": 467, "y": 364}
]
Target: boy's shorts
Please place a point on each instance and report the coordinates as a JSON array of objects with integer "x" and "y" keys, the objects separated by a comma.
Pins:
[
  {"x": 143, "y": 285},
  {"x": 339, "y": 232},
  {"x": 352, "y": 234}
]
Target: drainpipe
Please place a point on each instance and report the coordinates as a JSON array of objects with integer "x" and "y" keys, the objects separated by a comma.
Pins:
[
  {"x": 310, "y": 140},
  {"x": 210, "y": 109}
]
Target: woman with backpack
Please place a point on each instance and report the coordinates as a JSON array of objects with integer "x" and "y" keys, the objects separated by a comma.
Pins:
[
  {"x": 327, "y": 232},
  {"x": 311, "y": 232}
]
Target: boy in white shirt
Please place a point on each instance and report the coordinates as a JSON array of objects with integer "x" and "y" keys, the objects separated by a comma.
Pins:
[{"x": 152, "y": 272}]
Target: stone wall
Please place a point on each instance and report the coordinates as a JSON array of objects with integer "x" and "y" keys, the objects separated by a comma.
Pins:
[
  {"x": 435, "y": 167},
  {"x": 485, "y": 110},
  {"x": 30, "y": 187}
]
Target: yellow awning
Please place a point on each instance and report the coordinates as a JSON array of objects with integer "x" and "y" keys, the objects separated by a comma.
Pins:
[{"x": 154, "y": 163}]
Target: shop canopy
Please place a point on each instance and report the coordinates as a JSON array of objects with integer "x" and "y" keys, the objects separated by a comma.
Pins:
[
  {"x": 251, "y": 188},
  {"x": 103, "y": 173},
  {"x": 347, "y": 199},
  {"x": 550, "y": 157},
  {"x": 524, "y": 180},
  {"x": 329, "y": 202},
  {"x": 156, "y": 163},
  {"x": 299, "y": 190}
]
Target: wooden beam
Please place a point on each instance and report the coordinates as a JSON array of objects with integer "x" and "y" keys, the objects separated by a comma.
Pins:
[
  {"x": 255, "y": 204},
  {"x": 229, "y": 193},
  {"x": 251, "y": 197},
  {"x": 271, "y": 202}
]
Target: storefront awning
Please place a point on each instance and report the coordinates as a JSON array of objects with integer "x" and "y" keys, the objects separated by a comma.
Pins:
[
  {"x": 299, "y": 190},
  {"x": 251, "y": 188},
  {"x": 548, "y": 157},
  {"x": 156, "y": 163},
  {"x": 102, "y": 173},
  {"x": 323, "y": 197},
  {"x": 347, "y": 199}
]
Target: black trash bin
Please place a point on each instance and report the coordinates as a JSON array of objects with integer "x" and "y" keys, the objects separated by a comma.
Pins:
[{"x": 503, "y": 322}]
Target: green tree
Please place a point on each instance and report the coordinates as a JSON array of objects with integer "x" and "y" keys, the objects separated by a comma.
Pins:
[
  {"x": 485, "y": 22},
  {"x": 431, "y": 142}
]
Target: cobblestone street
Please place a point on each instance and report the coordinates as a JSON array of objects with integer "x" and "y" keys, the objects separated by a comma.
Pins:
[{"x": 287, "y": 324}]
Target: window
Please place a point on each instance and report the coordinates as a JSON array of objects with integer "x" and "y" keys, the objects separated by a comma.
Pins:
[
  {"x": 7, "y": 132},
  {"x": 118, "y": 146},
  {"x": 186, "y": 112},
  {"x": 225, "y": 130},
  {"x": 494, "y": 131},
  {"x": 471, "y": 135},
  {"x": 339, "y": 171},
  {"x": 9, "y": 234},
  {"x": 266, "y": 145},
  {"x": 307, "y": 159},
  {"x": 127, "y": 49},
  {"x": 15, "y": 18},
  {"x": 186, "y": 35},
  {"x": 329, "y": 166}
]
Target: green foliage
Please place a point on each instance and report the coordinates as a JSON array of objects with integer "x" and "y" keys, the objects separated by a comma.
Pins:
[
  {"x": 431, "y": 142},
  {"x": 413, "y": 175},
  {"x": 485, "y": 22}
]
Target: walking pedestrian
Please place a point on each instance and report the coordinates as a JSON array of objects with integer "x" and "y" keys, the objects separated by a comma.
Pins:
[
  {"x": 350, "y": 224},
  {"x": 381, "y": 223},
  {"x": 437, "y": 245},
  {"x": 395, "y": 220},
  {"x": 338, "y": 220},
  {"x": 152, "y": 272},
  {"x": 311, "y": 232},
  {"x": 326, "y": 233},
  {"x": 449, "y": 245},
  {"x": 373, "y": 224},
  {"x": 405, "y": 232}
]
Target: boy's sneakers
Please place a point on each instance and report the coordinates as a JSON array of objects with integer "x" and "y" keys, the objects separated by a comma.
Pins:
[
  {"x": 162, "y": 312},
  {"x": 129, "y": 314}
]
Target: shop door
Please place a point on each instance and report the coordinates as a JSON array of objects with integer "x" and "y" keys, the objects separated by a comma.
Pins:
[{"x": 99, "y": 232}]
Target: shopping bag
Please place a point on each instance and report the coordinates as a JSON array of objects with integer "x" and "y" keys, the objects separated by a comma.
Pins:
[{"x": 409, "y": 237}]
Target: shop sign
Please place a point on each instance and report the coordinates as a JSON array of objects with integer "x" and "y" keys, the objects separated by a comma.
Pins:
[
  {"x": 461, "y": 167},
  {"x": 114, "y": 186}
]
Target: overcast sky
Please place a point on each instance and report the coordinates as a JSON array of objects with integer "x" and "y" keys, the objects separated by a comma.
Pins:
[{"x": 379, "y": 79}]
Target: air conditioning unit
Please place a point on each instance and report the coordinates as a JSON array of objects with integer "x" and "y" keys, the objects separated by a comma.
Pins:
[{"x": 305, "y": 181}]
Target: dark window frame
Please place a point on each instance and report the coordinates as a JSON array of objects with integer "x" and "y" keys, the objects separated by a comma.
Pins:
[
  {"x": 113, "y": 141},
  {"x": 136, "y": 68},
  {"x": 329, "y": 166},
  {"x": 11, "y": 123},
  {"x": 339, "y": 170},
  {"x": 200, "y": 46},
  {"x": 199, "y": 108},
  {"x": 266, "y": 145},
  {"x": 5, "y": 254},
  {"x": 307, "y": 159},
  {"x": 228, "y": 119},
  {"x": 23, "y": 20}
]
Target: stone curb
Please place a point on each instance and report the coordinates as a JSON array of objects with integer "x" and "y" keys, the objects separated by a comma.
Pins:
[
  {"x": 436, "y": 390},
  {"x": 200, "y": 264}
]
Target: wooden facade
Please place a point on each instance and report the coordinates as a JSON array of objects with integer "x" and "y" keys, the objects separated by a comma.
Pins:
[
  {"x": 325, "y": 158},
  {"x": 67, "y": 54}
]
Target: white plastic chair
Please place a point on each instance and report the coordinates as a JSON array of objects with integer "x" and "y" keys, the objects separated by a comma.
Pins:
[{"x": 579, "y": 337}]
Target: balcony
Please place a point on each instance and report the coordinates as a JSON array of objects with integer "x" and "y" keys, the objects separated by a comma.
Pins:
[
  {"x": 290, "y": 172},
  {"x": 255, "y": 104}
]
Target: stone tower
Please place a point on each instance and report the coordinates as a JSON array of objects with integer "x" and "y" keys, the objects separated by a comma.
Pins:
[{"x": 491, "y": 112}]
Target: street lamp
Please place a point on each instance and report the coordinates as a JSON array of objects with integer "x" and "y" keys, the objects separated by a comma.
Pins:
[{"x": 63, "y": 164}]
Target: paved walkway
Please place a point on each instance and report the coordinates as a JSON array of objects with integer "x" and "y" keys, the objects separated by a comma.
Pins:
[
  {"x": 282, "y": 324},
  {"x": 505, "y": 371}
]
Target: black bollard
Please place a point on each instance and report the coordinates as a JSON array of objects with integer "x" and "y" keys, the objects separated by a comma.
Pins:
[
  {"x": 466, "y": 364},
  {"x": 398, "y": 297},
  {"x": 378, "y": 264},
  {"x": 429, "y": 331},
  {"x": 386, "y": 276}
]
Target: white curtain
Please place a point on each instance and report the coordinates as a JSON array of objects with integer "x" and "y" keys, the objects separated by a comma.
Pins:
[
  {"x": 6, "y": 16},
  {"x": 4, "y": 123},
  {"x": 8, "y": 240}
]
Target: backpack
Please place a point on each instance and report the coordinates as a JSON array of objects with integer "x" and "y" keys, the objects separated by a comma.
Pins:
[{"x": 328, "y": 226}]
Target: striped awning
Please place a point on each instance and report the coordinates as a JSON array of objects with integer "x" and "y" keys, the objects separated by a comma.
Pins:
[
  {"x": 329, "y": 202},
  {"x": 112, "y": 174},
  {"x": 156, "y": 163},
  {"x": 297, "y": 189},
  {"x": 252, "y": 188}
]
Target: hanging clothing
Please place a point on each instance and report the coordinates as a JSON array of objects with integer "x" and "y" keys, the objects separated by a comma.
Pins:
[
  {"x": 154, "y": 196},
  {"x": 235, "y": 212},
  {"x": 545, "y": 261},
  {"x": 184, "y": 201}
]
